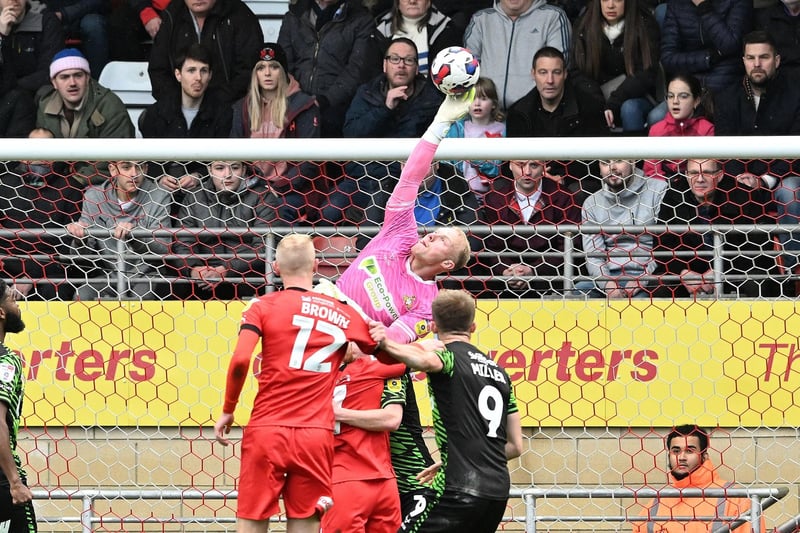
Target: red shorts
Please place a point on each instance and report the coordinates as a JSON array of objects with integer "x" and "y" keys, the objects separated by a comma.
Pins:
[
  {"x": 372, "y": 505},
  {"x": 294, "y": 462}
]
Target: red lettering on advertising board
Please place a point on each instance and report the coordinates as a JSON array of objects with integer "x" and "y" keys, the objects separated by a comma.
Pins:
[
  {"x": 792, "y": 356},
  {"x": 91, "y": 365},
  {"x": 586, "y": 365}
]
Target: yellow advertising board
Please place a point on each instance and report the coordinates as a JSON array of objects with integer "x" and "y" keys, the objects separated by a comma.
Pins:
[{"x": 572, "y": 363}]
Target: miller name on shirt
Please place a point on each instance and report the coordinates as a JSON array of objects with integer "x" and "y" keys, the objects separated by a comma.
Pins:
[{"x": 486, "y": 368}]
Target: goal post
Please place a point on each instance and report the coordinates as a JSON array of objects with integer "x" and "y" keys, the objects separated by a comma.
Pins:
[{"x": 122, "y": 394}]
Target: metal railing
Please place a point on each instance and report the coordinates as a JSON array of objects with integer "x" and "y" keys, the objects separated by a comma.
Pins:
[
  {"x": 760, "y": 498},
  {"x": 571, "y": 257}
]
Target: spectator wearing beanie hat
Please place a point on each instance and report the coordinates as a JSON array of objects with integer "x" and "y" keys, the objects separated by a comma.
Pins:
[
  {"x": 77, "y": 107},
  {"x": 259, "y": 115}
]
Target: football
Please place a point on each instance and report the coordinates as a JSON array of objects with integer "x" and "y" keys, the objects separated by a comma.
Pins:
[{"x": 454, "y": 70}]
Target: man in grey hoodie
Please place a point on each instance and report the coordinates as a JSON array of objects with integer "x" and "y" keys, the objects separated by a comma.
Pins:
[
  {"x": 617, "y": 261},
  {"x": 106, "y": 240},
  {"x": 506, "y": 36}
]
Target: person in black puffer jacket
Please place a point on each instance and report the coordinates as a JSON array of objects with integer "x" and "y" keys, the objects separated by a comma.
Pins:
[
  {"x": 327, "y": 48},
  {"x": 29, "y": 39}
]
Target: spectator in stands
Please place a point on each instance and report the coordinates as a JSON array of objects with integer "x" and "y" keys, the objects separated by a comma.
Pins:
[
  {"x": 615, "y": 53},
  {"x": 684, "y": 118},
  {"x": 327, "y": 44},
  {"x": 556, "y": 107},
  {"x": 627, "y": 198},
  {"x": 506, "y": 37},
  {"x": 527, "y": 259},
  {"x": 228, "y": 28},
  {"x": 276, "y": 107},
  {"x": 421, "y": 22},
  {"x": 86, "y": 20},
  {"x": 77, "y": 107},
  {"x": 765, "y": 103},
  {"x": 707, "y": 196},
  {"x": 691, "y": 468},
  {"x": 704, "y": 38},
  {"x": 463, "y": 9},
  {"x": 485, "y": 120},
  {"x": 445, "y": 199},
  {"x": 29, "y": 38},
  {"x": 398, "y": 103},
  {"x": 111, "y": 214},
  {"x": 35, "y": 195},
  {"x": 781, "y": 20},
  {"x": 134, "y": 24},
  {"x": 218, "y": 265},
  {"x": 197, "y": 112}
]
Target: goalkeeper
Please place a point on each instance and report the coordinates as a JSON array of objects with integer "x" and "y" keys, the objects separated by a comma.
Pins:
[
  {"x": 393, "y": 281},
  {"x": 393, "y": 278}
]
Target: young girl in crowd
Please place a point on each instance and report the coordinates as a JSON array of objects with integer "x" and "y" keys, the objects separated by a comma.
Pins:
[
  {"x": 484, "y": 120},
  {"x": 275, "y": 107},
  {"x": 684, "y": 118}
]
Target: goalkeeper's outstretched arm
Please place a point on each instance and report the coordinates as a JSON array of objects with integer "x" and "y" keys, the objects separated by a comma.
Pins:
[{"x": 416, "y": 168}]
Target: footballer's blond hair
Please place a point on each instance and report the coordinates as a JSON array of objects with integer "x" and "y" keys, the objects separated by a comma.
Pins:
[
  {"x": 463, "y": 251},
  {"x": 295, "y": 254}
]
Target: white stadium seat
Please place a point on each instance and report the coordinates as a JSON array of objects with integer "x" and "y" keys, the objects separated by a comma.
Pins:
[
  {"x": 269, "y": 13},
  {"x": 130, "y": 81}
]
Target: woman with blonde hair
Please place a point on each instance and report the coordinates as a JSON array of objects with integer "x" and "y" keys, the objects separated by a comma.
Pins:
[{"x": 275, "y": 107}]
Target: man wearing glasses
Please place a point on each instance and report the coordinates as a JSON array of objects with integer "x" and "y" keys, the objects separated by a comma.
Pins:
[
  {"x": 397, "y": 103},
  {"x": 400, "y": 102}
]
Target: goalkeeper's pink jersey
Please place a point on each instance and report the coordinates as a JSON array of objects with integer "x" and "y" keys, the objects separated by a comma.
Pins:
[{"x": 380, "y": 280}]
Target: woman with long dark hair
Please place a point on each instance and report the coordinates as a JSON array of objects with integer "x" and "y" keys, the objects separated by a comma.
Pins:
[{"x": 615, "y": 55}]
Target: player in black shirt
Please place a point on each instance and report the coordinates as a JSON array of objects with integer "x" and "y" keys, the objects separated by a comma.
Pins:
[
  {"x": 16, "y": 509},
  {"x": 476, "y": 420}
]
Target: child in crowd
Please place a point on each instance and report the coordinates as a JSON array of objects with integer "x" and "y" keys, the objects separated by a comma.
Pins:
[
  {"x": 685, "y": 117},
  {"x": 484, "y": 120}
]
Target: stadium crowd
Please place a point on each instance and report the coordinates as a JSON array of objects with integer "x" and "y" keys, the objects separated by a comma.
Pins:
[{"x": 342, "y": 69}]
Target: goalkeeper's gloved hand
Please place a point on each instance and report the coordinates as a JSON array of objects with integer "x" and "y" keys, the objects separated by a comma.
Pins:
[{"x": 452, "y": 109}]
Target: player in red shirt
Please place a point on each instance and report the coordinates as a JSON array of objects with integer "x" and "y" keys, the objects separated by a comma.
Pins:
[
  {"x": 287, "y": 447},
  {"x": 368, "y": 403}
]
